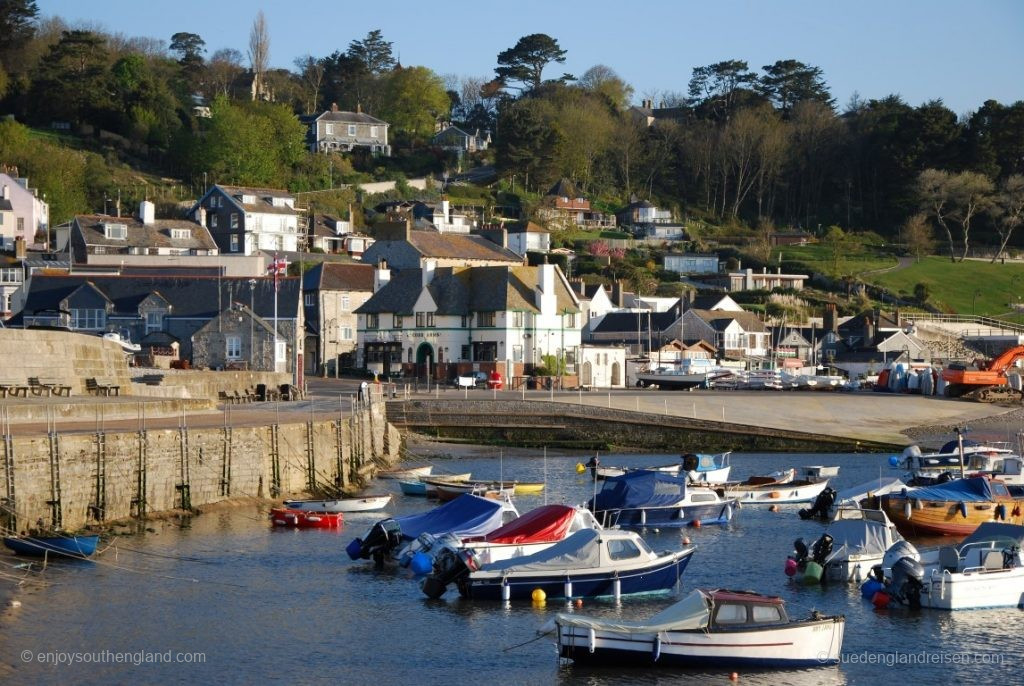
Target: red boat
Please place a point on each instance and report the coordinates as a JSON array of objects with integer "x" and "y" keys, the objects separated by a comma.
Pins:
[{"x": 283, "y": 516}]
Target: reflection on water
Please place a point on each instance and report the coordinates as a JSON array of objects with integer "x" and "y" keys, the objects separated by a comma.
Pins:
[{"x": 267, "y": 604}]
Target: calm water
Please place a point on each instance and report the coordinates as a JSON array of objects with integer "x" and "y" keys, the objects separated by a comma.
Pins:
[{"x": 270, "y": 606}]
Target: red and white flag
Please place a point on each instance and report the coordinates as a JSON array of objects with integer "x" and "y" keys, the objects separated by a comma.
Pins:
[{"x": 278, "y": 267}]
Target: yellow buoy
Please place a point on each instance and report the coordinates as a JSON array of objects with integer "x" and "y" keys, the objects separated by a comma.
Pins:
[
  {"x": 538, "y": 595},
  {"x": 580, "y": 468}
]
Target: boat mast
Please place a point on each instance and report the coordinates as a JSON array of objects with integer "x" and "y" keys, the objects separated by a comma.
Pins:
[{"x": 960, "y": 447}]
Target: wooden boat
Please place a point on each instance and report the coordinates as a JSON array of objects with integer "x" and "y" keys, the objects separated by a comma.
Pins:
[
  {"x": 447, "y": 478},
  {"x": 41, "y": 546},
  {"x": 589, "y": 563},
  {"x": 985, "y": 570},
  {"x": 640, "y": 499},
  {"x": 414, "y": 488},
  {"x": 707, "y": 628},
  {"x": 996, "y": 459},
  {"x": 450, "y": 490},
  {"x": 409, "y": 473},
  {"x": 367, "y": 503},
  {"x": 955, "y": 508},
  {"x": 282, "y": 516}
]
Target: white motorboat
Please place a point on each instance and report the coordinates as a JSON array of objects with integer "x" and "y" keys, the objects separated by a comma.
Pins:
[
  {"x": 780, "y": 488},
  {"x": 985, "y": 570},
  {"x": 927, "y": 468},
  {"x": 707, "y": 628},
  {"x": 855, "y": 496},
  {"x": 609, "y": 472},
  {"x": 369, "y": 503},
  {"x": 855, "y": 541},
  {"x": 709, "y": 468}
]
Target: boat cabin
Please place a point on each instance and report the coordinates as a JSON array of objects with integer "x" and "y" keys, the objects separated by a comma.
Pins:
[
  {"x": 993, "y": 546},
  {"x": 744, "y": 610}
]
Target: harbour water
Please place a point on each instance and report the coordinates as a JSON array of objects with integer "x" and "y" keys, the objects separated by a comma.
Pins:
[{"x": 226, "y": 598}]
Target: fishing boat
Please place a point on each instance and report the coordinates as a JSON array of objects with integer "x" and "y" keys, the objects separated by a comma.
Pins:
[
  {"x": 448, "y": 492},
  {"x": 589, "y": 563},
  {"x": 954, "y": 508},
  {"x": 41, "y": 546},
  {"x": 303, "y": 519},
  {"x": 707, "y": 628},
  {"x": 865, "y": 494},
  {"x": 467, "y": 515},
  {"x": 646, "y": 498},
  {"x": 780, "y": 489},
  {"x": 408, "y": 474},
  {"x": 369, "y": 503},
  {"x": 701, "y": 467},
  {"x": 985, "y": 570},
  {"x": 609, "y": 472},
  {"x": 855, "y": 541}
]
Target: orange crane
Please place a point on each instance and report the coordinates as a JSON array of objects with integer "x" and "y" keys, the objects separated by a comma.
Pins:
[{"x": 987, "y": 381}]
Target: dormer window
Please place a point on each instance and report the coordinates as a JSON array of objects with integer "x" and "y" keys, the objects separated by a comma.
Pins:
[
  {"x": 115, "y": 231},
  {"x": 249, "y": 199},
  {"x": 181, "y": 233}
]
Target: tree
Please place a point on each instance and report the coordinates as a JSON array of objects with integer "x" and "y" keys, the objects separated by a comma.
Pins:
[
  {"x": 72, "y": 79},
  {"x": 224, "y": 67},
  {"x": 917, "y": 235},
  {"x": 787, "y": 82},
  {"x": 190, "y": 48},
  {"x": 414, "y": 99},
  {"x": 17, "y": 26},
  {"x": 921, "y": 293},
  {"x": 373, "y": 52},
  {"x": 718, "y": 88},
  {"x": 527, "y": 143},
  {"x": 603, "y": 81},
  {"x": 934, "y": 192},
  {"x": 525, "y": 61},
  {"x": 1009, "y": 203},
  {"x": 311, "y": 71},
  {"x": 259, "y": 52},
  {"x": 971, "y": 195},
  {"x": 837, "y": 243}
]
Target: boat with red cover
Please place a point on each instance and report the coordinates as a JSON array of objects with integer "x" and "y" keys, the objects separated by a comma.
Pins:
[
  {"x": 303, "y": 519},
  {"x": 534, "y": 531}
]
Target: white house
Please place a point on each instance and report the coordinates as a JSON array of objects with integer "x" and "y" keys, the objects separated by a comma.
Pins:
[
  {"x": 22, "y": 213},
  {"x": 749, "y": 280},
  {"x": 736, "y": 334},
  {"x": 692, "y": 263},
  {"x": 439, "y": 321},
  {"x": 244, "y": 220},
  {"x": 602, "y": 366},
  {"x": 528, "y": 237}
]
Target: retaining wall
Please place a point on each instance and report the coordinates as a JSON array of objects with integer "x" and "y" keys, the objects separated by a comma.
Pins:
[{"x": 62, "y": 356}]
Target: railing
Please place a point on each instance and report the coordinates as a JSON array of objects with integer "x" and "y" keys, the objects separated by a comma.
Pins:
[{"x": 987, "y": 322}]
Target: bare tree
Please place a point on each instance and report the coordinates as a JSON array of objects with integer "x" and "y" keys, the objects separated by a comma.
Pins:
[
  {"x": 259, "y": 52},
  {"x": 311, "y": 71},
  {"x": 917, "y": 234},
  {"x": 1009, "y": 205},
  {"x": 223, "y": 68},
  {"x": 972, "y": 194},
  {"x": 933, "y": 190}
]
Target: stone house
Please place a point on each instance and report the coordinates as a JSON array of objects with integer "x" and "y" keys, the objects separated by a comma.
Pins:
[
  {"x": 331, "y": 294},
  {"x": 236, "y": 338},
  {"x": 244, "y": 220},
  {"x": 338, "y": 131}
]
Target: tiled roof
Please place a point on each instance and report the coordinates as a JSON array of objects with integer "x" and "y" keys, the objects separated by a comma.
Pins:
[
  {"x": 155, "y": 235},
  {"x": 630, "y": 322}
]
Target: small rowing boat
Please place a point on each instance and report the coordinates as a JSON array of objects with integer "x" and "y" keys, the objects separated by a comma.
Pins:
[
  {"x": 282, "y": 516},
  {"x": 367, "y": 503},
  {"x": 40, "y": 546},
  {"x": 408, "y": 473}
]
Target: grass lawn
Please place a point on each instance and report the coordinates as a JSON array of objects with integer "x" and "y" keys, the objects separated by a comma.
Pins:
[
  {"x": 818, "y": 258},
  {"x": 970, "y": 287}
]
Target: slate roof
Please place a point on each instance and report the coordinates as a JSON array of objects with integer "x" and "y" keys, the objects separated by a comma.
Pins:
[
  {"x": 442, "y": 245},
  {"x": 467, "y": 289},
  {"x": 261, "y": 206},
  {"x": 719, "y": 320},
  {"x": 333, "y": 276},
  {"x": 347, "y": 117},
  {"x": 155, "y": 235},
  {"x": 528, "y": 227},
  {"x": 706, "y": 302},
  {"x": 190, "y": 297},
  {"x": 626, "y": 322}
]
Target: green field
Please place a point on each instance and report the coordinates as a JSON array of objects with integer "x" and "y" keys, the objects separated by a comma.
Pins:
[
  {"x": 819, "y": 259},
  {"x": 971, "y": 287}
]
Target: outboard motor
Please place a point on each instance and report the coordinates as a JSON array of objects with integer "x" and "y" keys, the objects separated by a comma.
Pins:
[
  {"x": 383, "y": 539},
  {"x": 449, "y": 565},
  {"x": 690, "y": 462},
  {"x": 822, "y": 504},
  {"x": 801, "y": 552},
  {"x": 821, "y": 549},
  {"x": 907, "y": 582},
  {"x": 898, "y": 550},
  {"x": 945, "y": 477}
]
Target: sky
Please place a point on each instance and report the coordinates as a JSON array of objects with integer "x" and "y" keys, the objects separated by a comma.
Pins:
[{"x": 962, "y": 52}]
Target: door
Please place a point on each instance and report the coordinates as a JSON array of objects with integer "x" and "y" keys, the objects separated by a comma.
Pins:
[{"x": 424, "y": 360}]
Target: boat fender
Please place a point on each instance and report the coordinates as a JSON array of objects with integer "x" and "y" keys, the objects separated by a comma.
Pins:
[
  {"x": 421, "y": 564},
  {"x": 907, "y": 510},
  {"x": 656, "y": 648},
  {"x": 593, "y": 640},
  {"x": 962, "y": 507},
  {"x": 1016, "y": 511},
  {"x": 354, "y": 548},
  {"x": 1000, "y": 512},
  {"x": 869, "y": 588},
  {"x": 880, "y": 600},
  {"x": 918, "y": 505}
]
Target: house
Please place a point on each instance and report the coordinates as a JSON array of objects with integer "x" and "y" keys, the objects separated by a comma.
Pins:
[
  {"x": 331, "y": 293},
  {"x": 565, "y": 208},
  {"x": 244, "y": 220},
  {"x": 441, "y": 321},
  {"x": 641, "y": 330},
  {"x": 402, "y": 247},
  {"x": 443, "y": 218},
  {"x": 602, "y": 366},
  {"x": 597, "y": 299},
  {"x": 738, "y": 335},
  {"x": 649, "y": 115},
  {"x": 711, "y": 301},
  {"x": 338, "y": 131},
  {"x": 22, "y": 213},
  {"x": 236, "y": 338},
  {"x": 156, "y": 311},
  {"x": 455, "y": 139},
  {"x": 748, "y": 280},
  {"x": 692, "y": 263},
  {"x": 97, "y": 234},
  {"x": 528, "y": 237}
]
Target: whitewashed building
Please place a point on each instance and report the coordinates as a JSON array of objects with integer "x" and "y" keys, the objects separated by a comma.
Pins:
[
  {"x": 692, "y": 263},
  {"x": 23, "y": 214},
  {"x": 244, "y": 221},
  {"x": 602, "y": 366}
]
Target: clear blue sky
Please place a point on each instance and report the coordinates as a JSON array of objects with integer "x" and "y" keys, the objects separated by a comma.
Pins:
[{"x": 962, "y": 52}]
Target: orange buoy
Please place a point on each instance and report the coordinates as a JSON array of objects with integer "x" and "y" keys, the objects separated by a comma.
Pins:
[
  {"x": 695, "y": 524},
  {"x": 579, "y": 602},
  {"x": 686, "y": 540},
  {"x": 734, "y": 677}
]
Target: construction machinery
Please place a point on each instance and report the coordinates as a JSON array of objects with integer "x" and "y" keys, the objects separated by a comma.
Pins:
[{"x": 986, "y": 381}]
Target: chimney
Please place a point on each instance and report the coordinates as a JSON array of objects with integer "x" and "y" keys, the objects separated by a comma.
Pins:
[
  {"x": 427, "y": 271},
  {"x": 381, "y": 275},
  {"x": 869, "y": 330},
  {"x": 7, "y": 193},
  {"x": 147, "y": 212},
  {"x": 19, "y": 248},
  {"x": 830, "y": 322},
  {"x": 446, "y": 210},
  {"x": 334, "y": 107},
  {"x": 359, "y": 108},
  {"x": 546, "y": 302},
  {"x": 200, "y": 216},
  {"x": 616, "y": 294}
]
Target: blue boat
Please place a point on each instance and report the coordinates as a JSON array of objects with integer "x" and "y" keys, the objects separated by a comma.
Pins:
[
  {"x": 415, "y": 488},
  {"x": 590, "y": 563},
  {"x": 39, "y": 546},
  {"x": 648, "y": 498}
]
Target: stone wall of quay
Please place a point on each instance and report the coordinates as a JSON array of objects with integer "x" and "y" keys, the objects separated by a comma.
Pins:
[
  {"x": 538, "y": 423},
  {"x": 65, "y": 357},
  {"x": 76, "y": 479}
]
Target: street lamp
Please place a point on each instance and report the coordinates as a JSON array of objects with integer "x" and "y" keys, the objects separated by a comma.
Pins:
[
  {"x": 252, "y": 317},
  {"x": 974, "y": 302}
]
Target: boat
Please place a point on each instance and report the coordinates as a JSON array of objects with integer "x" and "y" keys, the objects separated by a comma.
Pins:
[
  {"x": 589, "y": 563},
  {"x": 414, "y": 488},
  {"x": 42, "y": 546},
  {"x": 448, "y": 478},
  {"x": 771, "y": 490},
  {"x": 705, "y": 467},
  {"x": 467, "y": 515},
  {"x": 954, "y": 508},
  {"x": 448, "y": 490},
  {"x": 854, "y": 542},
  {"x": 303, "y": 519},
  {"x": 985, "y": 570},
  {"x": 707, "y": 628},
  {"x": 368, "y": 503},
  {"x": 924, "y": 469},
  {"x": 816, "y": 472},
  {"x": 408, "y": 473},
  {"x": 865, "y": 494},
  {"x": 645, "y": 498},
  {"x": 609, "y": 472},
  {"x": 687, "y": 373}
]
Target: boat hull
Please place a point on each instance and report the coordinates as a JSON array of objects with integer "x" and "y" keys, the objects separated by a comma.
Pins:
[
  {"x": 974, "y": 589},
  {"x": 711, "y": 475},
  {"x": 414, "y": 488},
  {"x": 410, "y": 473},
  {"x": 608, "y": 472},
  {"x": 785, "y": 493},
  {"x": 301, "y": 519},
  {"x": 69, "y": 546},
  {"x": 944, "y": 517},
  {"x": 670, "y": 517},
  {"x": 812, "y": 643},
  {"x": 367, "y": 504},
  {"x": 656, "y": 576}
]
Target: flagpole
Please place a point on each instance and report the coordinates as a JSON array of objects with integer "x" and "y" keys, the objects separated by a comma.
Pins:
[{"x": 276, "y": 269}]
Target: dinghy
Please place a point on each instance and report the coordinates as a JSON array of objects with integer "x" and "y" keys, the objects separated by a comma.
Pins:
[
  {"x": 367, "y": 503},
  {"x": 41, "y": 546}
]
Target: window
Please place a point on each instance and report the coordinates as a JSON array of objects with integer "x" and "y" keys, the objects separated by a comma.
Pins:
[
  {"x": 345, "y": 304},
  {"x": 233, "y": 347},
  {"x": 21, "y": 224},
  {"x": 420, "y": 319},
  {"x": 213, "y": 201},
  {"x": 465, "y": 321},
  {"x": 372, "y": 321},
  {"x": 346, "y": 333},
  {"x": 116, "y": 231},
  {"x": 88, "y": 319},
  {"x": 753, "y": 342},
  {"x": 398, "y": 321},
  {"x": 329, "y": 129},
  {"x": 517, "y": 353},
  {"x": 310, "y": 299},
  {"x": 181, "y": 233},
  {"x": 622, "y": 549},
  {"x": 430, "y": 319},
  {"x": 374, "y": 131},
  {"x": 213, "y": 221},
  {"x": 465, "y": 352},
  {"x": 731, "y": 614},
  {"x": 351, "y": 129},
  {"x": 570, "y": 320},
  {"x": 766, "y": 613},
  {"x": 485, "y": 319},
  {"x": 234, "y": 220},
  {"x": 517, "y": 320},
  {"x": 154, "y": 321},
  {"x": 234, "y": 241}
]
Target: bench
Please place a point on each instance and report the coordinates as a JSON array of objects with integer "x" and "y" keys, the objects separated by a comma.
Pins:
[
  {"x": 13, "y": 390},
  {"x": 47, "y": 387},
  {"x": 225, "y": 397},
  {"x": 97, "y": 388}
]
